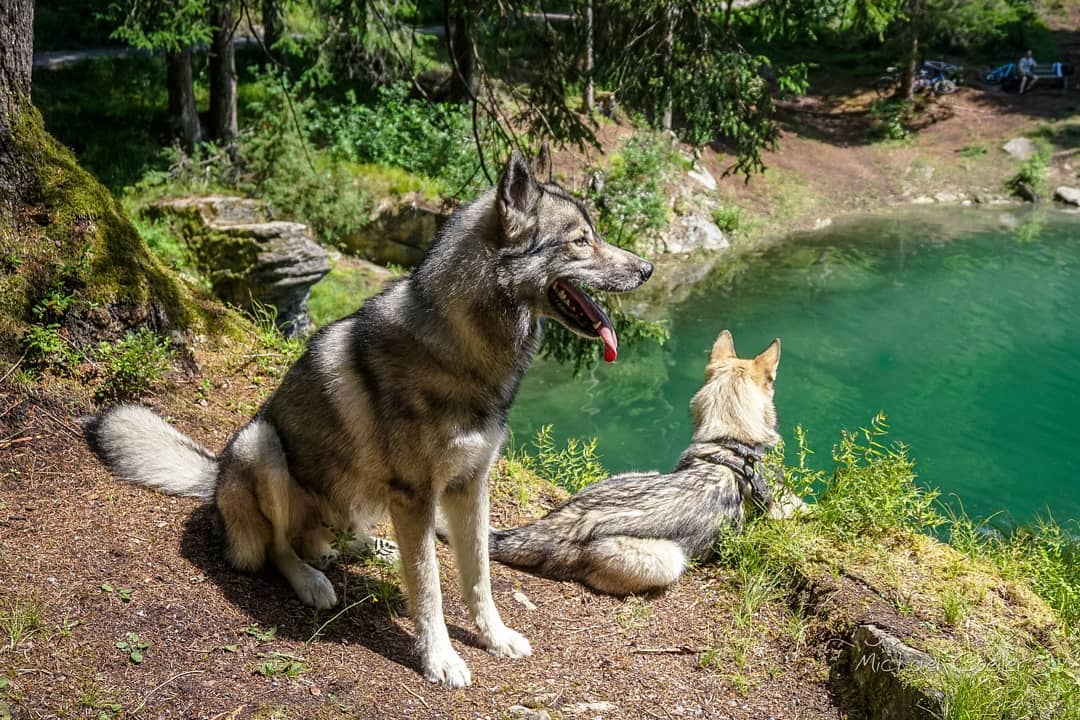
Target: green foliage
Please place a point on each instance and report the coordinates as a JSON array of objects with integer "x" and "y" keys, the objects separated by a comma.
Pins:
[
  {"x": 729, "y": 218},
  {"x": 973, "y": 150},
  {"x": 890, "y": 116},
  {"x": 134, "y": 647},
  {"x": 633, "y": 202},
  {"x": 131, "y": 364},
  {"x": 571, "y": 468},
  {"x": 430, "y": 139},
  {"x": 167, "y": 25},
  {"x": 1031, "y": 176},
  {"x": 564, "y": 346},
  {"x": 872, "y": 490},
  {"x": 281, "y": 664}
]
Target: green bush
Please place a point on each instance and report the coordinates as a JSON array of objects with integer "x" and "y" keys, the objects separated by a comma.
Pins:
[
  {"x": 632, "y": 202},
  {"x": 728, "y": 218},
  {"x": 889, "y": 118},
  {"x": 571, "y": 468},
  {"x": 430, "y": 139},
  {"x": 131, "y": 364},
  {"x": 1031, "y": 176}
]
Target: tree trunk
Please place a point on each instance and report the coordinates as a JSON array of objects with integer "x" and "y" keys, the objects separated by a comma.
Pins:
[
  {"x": 911, "y": 50},
  {"x": 223, "y": 126},
  {"x": 589, "y": 96},
  {"x": 462, "y": 53},
  {"x": 273, "y": 20},
  {"x": 668, "y": 58},
  {"x": 16, "y": 61},
  {"x": 182, "y": 111}
]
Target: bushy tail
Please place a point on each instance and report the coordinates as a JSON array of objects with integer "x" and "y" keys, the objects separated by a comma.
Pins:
[
  {"x": 140, "y": 447},
  {"x": 534, "y": 548}
]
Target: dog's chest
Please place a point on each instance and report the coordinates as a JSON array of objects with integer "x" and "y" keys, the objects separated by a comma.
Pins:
[{"x": 467, "y": 452}]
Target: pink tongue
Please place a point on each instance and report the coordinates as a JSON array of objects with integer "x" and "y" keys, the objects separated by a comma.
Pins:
[{"x": 611, "y": 344}]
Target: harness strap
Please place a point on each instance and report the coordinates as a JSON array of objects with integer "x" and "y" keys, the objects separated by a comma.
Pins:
[{"x": 743, "y": 461}]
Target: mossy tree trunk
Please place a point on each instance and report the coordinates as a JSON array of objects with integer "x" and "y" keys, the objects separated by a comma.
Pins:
[
  {"x": 462, "y": 51},
  {"x": 61, "y": 232},
  {"x": 911, "y": 50}
]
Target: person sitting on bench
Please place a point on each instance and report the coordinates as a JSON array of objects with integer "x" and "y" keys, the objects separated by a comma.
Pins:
[{"x": 1027, "y": 72}]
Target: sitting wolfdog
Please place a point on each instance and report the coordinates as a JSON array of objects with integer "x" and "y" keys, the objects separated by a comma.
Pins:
[
  {"x": 636, "y": 531},
  {"x": 398, "y": 408}
]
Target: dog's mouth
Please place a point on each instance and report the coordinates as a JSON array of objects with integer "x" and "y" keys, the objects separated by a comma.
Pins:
[{"x": 580, "y": 313}]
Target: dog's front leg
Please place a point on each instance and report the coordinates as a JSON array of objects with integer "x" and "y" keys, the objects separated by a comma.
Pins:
[
  {"x": 465, "y": 506},
  {"x": 414, "y": 525}
]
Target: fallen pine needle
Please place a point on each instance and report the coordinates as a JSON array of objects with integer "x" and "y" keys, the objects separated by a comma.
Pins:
[{"x": 142, "y": 704}]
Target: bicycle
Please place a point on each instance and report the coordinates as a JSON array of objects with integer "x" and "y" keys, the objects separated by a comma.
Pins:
[{"x": 933, "y": 76}]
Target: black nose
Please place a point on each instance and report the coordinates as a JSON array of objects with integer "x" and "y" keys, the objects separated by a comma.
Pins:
[{"x": 646, "y": 271}]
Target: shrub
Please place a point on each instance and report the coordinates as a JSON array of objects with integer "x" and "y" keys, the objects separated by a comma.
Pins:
[
  {"x": 1030, "y": 178},
  {"x": 430, "y": 139},
  {"x": 571, "y": 468},
  {"x": 131, "y": 364},
  {"x": 632, "y": 202},
  {"x": 889, "y": 116}
]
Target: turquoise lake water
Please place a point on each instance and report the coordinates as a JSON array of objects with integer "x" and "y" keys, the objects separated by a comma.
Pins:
[{"x": 962, "y": 325}]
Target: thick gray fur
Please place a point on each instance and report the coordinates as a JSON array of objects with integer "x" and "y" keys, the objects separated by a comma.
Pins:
[{"x": 395, "y": 409}]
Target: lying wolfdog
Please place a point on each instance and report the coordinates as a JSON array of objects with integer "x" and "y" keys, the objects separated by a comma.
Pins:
[
  {"x": 636, "y": 531},
  {"x": 400, "y": 407}
]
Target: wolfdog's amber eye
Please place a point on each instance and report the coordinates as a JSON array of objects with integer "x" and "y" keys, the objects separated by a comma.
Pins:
[{"x": 581, "y": 240}]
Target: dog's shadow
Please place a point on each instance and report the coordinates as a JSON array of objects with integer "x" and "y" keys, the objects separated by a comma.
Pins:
[{"x": 368, "y": 599}]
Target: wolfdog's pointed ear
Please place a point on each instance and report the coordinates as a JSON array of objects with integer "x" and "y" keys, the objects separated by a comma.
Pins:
[
  {"x": 723, "y": 348},
  {"x": 517, "y": 193},
  {"x": 769, "y": 359},
  {"x": 542, "y": 164}
]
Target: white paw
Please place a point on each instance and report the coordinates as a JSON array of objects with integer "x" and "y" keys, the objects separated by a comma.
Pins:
[
  {"x": 314, "y": 589},
  {"x": 446, "y": 667},
  {"x": 508, "y": 643}
]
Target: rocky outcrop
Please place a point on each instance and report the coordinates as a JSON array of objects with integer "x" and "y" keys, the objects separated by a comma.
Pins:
[
  {"x": 1068, "y": 195},
  {"x": 249, "y": 258},
  {"x": 400, "y": 232},
  {"x": 876, "y": 661}
]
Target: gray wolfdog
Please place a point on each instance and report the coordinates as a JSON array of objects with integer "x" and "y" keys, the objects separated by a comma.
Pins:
[
  {"x": 400, "y": 408},
  {"x": 635, "y": 532}
]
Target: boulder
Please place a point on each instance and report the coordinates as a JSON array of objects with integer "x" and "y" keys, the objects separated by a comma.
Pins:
[
  {"x": 691, "y": 232},
  {"x": 400, "y": 232},
  {"x": 249, "y": 258},
  {"x": 1068, "y": 195},
  {"x": 1020, "y": 148},
  {"x": 877, "y": 661}
]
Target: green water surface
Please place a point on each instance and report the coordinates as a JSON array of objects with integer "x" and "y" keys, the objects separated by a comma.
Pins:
[{"x": 962, "y": 325}]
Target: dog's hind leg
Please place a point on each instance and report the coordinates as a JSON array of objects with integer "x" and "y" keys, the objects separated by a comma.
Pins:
[
  {"x": 466, "y": 511},
  {"x": 622, "y": 565},
  {"x": 257, "y": 461},
  {"x": 413, "y": 514}
]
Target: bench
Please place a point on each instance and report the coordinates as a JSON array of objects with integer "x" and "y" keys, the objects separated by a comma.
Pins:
[{"x": 1059, "y": 72}]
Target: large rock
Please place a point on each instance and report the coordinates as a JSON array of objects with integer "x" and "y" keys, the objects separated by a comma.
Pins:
[
  {"x": 400, "y": 233},
  {"x": 1068, "y": 195},
  {"x": 249, "y": 258},
  {"x": 877, "y": 661},
  {"x": 691, "y": 232},
  {"x": 1021, "y": 148}
]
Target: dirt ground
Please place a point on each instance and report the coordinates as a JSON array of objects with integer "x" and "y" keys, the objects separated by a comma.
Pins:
[{"x": 86, "y": 560}]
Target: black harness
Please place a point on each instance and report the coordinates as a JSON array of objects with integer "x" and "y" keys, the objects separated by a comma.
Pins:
[{"x": 743, "y": 459}]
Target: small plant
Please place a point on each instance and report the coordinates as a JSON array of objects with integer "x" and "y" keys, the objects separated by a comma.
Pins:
[
  {"x": 1029, "y": 182},
  {"x": 890, "y": 116},
  {"x": 123, "y": 593},
  {"x": 571, "y": 468},
  {"x": 973, "y": 150},
  {"x": 131, "y": 364},
  {"x": 259, "y": 634},
  {"x": 46, "y": 347},
  {"x": 21, "y": 620},
  {"x": 954, "y": 605},
  {"x": 280, "y": 664},
  {"x": 633, "y": 613},
  {"x": 728, "y": 218},
  {"x": 134, "y": 646}
]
